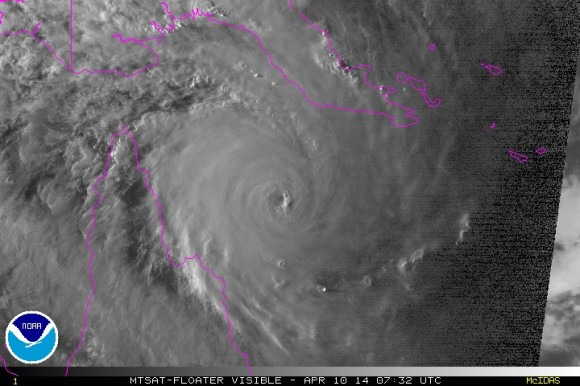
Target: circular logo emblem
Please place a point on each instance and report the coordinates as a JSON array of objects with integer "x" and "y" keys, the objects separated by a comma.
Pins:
[{"x": 31, "y": 337}]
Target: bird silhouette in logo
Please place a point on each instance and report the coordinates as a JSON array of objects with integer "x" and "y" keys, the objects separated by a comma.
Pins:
[
  {"x": 31, "y": 337},
  {"x": 13, "y": 329}
]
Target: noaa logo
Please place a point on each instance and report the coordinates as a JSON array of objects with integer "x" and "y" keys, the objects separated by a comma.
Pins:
[{"x": 31, "y": 337}]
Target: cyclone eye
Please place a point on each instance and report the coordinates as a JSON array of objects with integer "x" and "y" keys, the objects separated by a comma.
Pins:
[{"x": 279, "y": 201}]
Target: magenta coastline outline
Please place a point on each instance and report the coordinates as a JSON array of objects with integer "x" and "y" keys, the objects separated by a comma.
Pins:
[
  {"x": 124, "y": 131},
  {"x": 6, "y": 365},
  {"x": 367, "y": 70},
  {"x": 416, "y": 83},
  {"x": 521, "y": 158},
  {"x": 492, "y": 69},
  {"x": 409, "y": 113}
]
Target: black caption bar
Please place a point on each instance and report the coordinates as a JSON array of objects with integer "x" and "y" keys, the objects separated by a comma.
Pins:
[{"x": 257, "y": 380}]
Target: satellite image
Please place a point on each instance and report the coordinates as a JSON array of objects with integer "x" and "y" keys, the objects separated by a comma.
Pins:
[
  {"x": 256, "y": 183},
  {"x": 561, "y": 339}
]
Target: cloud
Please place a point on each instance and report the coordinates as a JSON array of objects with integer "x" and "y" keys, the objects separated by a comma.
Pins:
[
  {"x": 561, "y": 336},
  {"x": 566, "y": 260}
]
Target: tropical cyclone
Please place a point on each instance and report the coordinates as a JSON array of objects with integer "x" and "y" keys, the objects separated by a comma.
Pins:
[
  {"x": 333, "y": 228},
  {"x": 268, "y": 200}
]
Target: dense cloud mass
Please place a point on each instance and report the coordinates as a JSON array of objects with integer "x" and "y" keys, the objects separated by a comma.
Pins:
[
  {"x": 332, "y": 230},
  {"x": 561, "y": 339}
]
